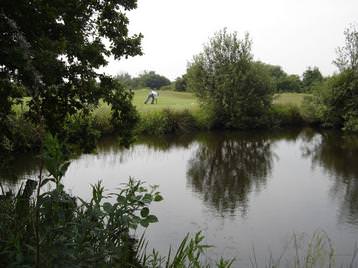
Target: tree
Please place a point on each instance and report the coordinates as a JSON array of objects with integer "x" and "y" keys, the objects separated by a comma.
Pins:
[
  {"x": 311, "y": 77},
  {"x": 54, "y": 48},
  {"x": 289, "y": 83},
  {"x": 153, "y": 80},
  {"x": 347, "y": 55},
  {"x": 229, "y": 84},
  {"x": 276, "y": 73},
  {"x": 180, "y": 83},
  {"x": 335, "y": 102},
  {"x": 125, "y": 79}
]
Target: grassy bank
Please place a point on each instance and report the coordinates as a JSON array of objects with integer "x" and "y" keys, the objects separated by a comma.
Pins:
[
  {"x": 175, "y": 112},
  {"x": 180, "y": 111}
]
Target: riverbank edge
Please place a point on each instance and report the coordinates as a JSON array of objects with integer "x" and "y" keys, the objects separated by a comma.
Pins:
[{"x": 157, "y": 123}]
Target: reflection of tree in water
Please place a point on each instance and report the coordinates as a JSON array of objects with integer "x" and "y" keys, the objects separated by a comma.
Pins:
[
  {"x": 226, "y": 168},
  {"x": 338, "y": 155},
  {"x": 18, "y": 168}
]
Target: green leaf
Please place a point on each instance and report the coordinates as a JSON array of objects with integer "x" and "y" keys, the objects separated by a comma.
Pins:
[
  {"x": 147, "y": 198},
  {"x": 144, "y": 223},
  {"x": 144, "y": 212},
  {"x": 107, "y": 207},
  {"x": 152, "y": 219},
  {"x": 121, "y": 199},
  {"x": 158, "y": 198}
]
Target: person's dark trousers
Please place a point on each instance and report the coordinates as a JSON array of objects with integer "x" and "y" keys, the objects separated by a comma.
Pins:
[{"x": 150, "y": 96}]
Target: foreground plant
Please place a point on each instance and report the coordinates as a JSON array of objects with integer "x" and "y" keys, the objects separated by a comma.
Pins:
[{"x": 52, "y": 228}]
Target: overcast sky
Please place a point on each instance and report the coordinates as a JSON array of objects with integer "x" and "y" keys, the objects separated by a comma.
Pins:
[{"x": 294, "y": 34}]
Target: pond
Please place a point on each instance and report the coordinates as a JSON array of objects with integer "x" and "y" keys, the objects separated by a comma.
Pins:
[{"x": 250, "y": 193}]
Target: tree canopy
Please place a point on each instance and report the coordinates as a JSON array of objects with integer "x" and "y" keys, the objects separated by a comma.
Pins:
[
  {"x": 152, "y": 80},
  {"x": 53, "y": 49},
  {"x": 311, "y": 77}
]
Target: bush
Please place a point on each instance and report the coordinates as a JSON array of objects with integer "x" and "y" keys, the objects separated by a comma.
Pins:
[
  {"x": 334, "y": 103},
  {"x": 228, "y": 83},
  {"x": 80, "y": 132},
  {"x": 286, "y": 115},
  {"x": 21, "y": 136}
]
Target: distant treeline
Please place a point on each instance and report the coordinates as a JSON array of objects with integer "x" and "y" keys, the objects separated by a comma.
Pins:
[{"x": 281, "y": 81}]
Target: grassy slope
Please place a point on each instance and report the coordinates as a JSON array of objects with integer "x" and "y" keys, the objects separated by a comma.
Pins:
[{"x": 289, "y": 98}]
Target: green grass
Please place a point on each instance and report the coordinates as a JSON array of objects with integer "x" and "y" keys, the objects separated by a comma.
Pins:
[
  {"x": 167, "y": 99},
  {"x": 289, "y": 99},
  {"x": 178, "y": 101},
  {"x": 186, "y": 100}
]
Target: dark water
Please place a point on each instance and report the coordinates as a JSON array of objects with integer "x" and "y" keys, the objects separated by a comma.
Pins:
[{"x": 248, "y": 192}]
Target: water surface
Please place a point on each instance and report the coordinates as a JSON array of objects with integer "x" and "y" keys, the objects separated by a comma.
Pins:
[{"x": 247, "y": 192}]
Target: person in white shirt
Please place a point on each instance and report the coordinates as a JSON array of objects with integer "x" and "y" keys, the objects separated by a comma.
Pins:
[{"x": 152, "y": 95}]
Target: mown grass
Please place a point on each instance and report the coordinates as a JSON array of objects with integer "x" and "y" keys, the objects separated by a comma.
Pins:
[
  {"x": 175, "y": 101},
  {"x": 167, "y": 100},
  {"x": 289, "y": 99}
]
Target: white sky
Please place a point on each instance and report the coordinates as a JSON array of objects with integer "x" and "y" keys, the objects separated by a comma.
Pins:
[{"x": 294, "y": 34}]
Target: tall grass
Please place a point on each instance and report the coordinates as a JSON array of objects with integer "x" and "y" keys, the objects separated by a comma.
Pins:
[{"x": 167, "y": 121}]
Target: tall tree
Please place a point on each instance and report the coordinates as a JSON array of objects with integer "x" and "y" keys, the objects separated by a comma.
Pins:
[{"x": 54, "y": 50}]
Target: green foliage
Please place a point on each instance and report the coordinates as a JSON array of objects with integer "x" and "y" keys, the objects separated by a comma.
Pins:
[
  {"x": 335, "y": 102},
  {"x": 289, "y": 83},
  {"x": 53, "y": 50},
  {"x": 276, "y": 73},
  {"x": 282, "y": 82},
  {"x": 81, "y": 133},
  {"x": 228, "y": 82},
  {"x": 124, "y": 115},
  {"x": 170, "y": 87},
  {"x": 10, "y": 93},
  {"x": 287, "y": 115},
  {"x": 152, "y": 80},
  {"x": 347, "y": 55},
  {"x": 127, "y": 80},
  {"x": 311, "y": 77},
  {"x": 167, "y": 121},
  {"x": 20, "y": 135},
  {"x": 181, "y": 83},
  {"x": 188, "y": 255}
]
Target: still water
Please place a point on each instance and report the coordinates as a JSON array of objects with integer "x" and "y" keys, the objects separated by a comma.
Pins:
[{"x": 249, "y": 193}]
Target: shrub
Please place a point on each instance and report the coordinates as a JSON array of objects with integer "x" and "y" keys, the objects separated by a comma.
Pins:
[
  {"x": 21, "y": 135},
  {"x": 81, "y": 133},
  {"x": 226, "y": 80},
  {"x": 286, "y": 115}
]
